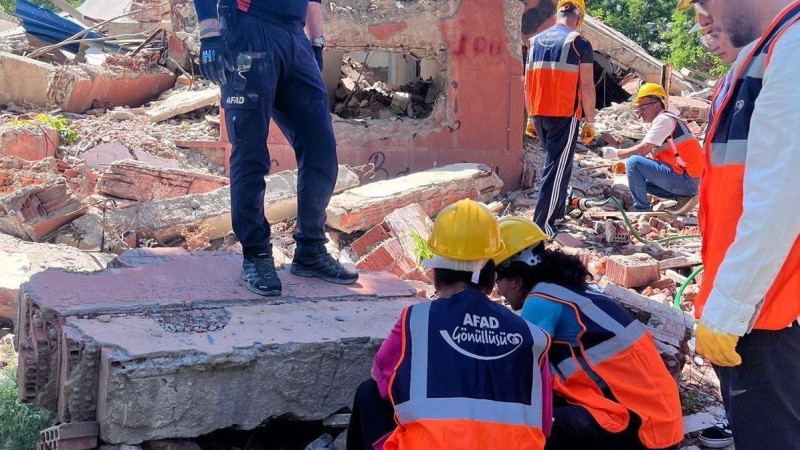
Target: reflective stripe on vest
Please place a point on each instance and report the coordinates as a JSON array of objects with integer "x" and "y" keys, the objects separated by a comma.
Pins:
[
  {"x": 623, "y": 355},
  {"x": 551, "y": 78},
  {"x": 623, "y": 335},
  {"x": 420, "y": 407},
  {"x": 722, "y": 187},
  {"x": 687, "y": 147}
]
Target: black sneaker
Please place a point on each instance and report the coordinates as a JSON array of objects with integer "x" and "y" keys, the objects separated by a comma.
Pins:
[
  {"x": 322, "y": 265},
  {"x": 259, "y": 274},
  {"x": 718, "y": 436}
]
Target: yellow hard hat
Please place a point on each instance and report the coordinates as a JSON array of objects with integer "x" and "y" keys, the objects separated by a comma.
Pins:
[
  {"x": 650, "y": 90},
  {"x": 579, "y": 3},
  {"x": 466, "y": 231},
  {"x": 683, "y": 5},
  {"x": 518, "y": 234}
]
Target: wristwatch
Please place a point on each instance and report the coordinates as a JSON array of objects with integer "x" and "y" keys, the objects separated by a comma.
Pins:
[{"x": 318, "y": 41}]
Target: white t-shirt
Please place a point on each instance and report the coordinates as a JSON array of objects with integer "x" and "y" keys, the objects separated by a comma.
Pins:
[{"x": 661, "y": 128}]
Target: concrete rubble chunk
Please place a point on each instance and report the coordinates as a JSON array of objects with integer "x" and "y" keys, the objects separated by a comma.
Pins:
[
  {"x": 24, "y": 79},
  {"x": 135, "y": 180},
  {"x": 78, "y": 88},
  {"x": 209, "y": 212},
  {"x": 182, "y": 102},
  {"x": 31, "y": 142},
  {"x": 20, "y": 260},
  {"x": 635, "y": 270},
  {"x": 670, "y": 328},
  {"x": 34, "y": 212},
  {"x": 161, "y": 355},
  {"x": 104, "y": 154},
  {"x": 366, "y": 206}
]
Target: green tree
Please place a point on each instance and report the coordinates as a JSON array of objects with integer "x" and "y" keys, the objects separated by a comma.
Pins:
[
  {"x": 686, "y": 49},
  {"x": 9, "y": 6},
  {"x": 644, "y": 21}
]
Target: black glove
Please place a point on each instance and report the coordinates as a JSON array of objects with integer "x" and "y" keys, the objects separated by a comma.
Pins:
[
  {"x": 318, "y": 55},
  {"x": 215, "y": 59}
]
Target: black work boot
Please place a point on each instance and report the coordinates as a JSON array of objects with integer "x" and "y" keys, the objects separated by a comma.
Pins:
[
  {"x": 259, "y": 274},
  {"x": 316, "y": 262}
]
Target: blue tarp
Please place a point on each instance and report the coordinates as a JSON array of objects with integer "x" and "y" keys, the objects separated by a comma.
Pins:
[{"x": 48, "y": 26}]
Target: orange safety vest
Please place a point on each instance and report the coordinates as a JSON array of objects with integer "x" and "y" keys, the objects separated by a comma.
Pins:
[
  {"x": 722, "y": 185},
  {"x": 469, "y": 377},
  {"x": 552, "y": 74},
  {"x": 681, "y": 150},
  {"x": 615, "y": 368}
]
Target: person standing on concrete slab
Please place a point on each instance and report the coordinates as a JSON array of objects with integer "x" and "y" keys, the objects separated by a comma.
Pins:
[
  {"x": 258, "y": 52},
  {"x": 748, "y": 305},
  {"x": 559, "y": 91},
  {"x": 673, "y": 171},
  {"x": 460, "y": 372},
  {"x": 612, "y": 389}
]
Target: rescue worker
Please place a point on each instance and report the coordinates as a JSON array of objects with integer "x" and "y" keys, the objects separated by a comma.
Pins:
[
  {"x": 257, "y": 51},
  {"x": 462, "y": 371},
  {"x": 748, "y": 303},
  {"x": 612, "y": 389},
  {"x": 675, "y": 164},
  {"x": 559, "y": 91}
]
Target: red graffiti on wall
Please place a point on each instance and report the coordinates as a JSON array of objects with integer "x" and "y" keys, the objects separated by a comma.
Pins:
[{"x": 477, "y": 46}]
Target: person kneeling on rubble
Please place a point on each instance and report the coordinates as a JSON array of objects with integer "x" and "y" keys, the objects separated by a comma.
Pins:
[
  {"x": 462, "y": 371},
  {"x": 611, "y": 388},
  {"x": 676, "y": 163}
]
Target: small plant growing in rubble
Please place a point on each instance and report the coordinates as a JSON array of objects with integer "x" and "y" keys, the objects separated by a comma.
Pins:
[
  {"x": 65, "y": 133},
  {"x": 21, "y": 423},
  {"x": 421, "y": 250}
]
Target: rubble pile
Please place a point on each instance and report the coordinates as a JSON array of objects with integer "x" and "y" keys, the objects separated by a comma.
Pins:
[{"x": 360, "y": 95}]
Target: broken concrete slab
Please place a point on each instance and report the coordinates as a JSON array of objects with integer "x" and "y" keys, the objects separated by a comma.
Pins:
[
  {"x": 24, "y": 79},
  {"x": 105, "y": 154},
  {"x": 670, "y": 328},
  {"x": 209, "y": 212},
  {"x": 78, "y": 88},
  {"x": 34, "y": 212},
  {"x": 31, "y": 141},
  {"x": 20, "y": 260},
  {"x": 136, "y": 180},
  {"x": 161, "y": 355},
  {"x": 366, "y": 206},
  {"x": 182, "y": 102}
]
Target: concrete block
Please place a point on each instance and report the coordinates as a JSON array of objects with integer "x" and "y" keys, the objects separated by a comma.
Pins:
[
  {"x": 24, "y": 80},
  {"x": 105, "y": 154},
  {"x": 366, "y": 206},
  {"x": 34, "y": 212},
  {"x": 175, "y": 338},
  {"x": 31, "y": 142},
  {"x": 568, "y": 240},
  {"x": 182, "y": 102},
  {"x": 20, "y": 260},
  {"x": 135, "y": 180},
  {"x": 82, "y": 87},
  {"x": 635, "y": 270},
  {"x": 679, "y": 262},
  {"x": 406, "y": 223}
]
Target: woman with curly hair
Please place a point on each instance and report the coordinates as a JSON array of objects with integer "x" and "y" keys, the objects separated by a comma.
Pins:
[{"x": 612, "y": 390}]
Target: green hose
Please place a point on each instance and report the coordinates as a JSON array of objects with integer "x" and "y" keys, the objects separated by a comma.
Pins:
[
  {"x": 679, "y": 294},
  {"x": 636, "y": 234}
]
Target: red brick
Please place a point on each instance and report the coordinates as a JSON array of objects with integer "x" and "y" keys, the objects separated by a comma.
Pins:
[
  {"x": 632, "y": 271},
  {"x": 370, "y": 239},
  {"x": 390, "y": 257},
  {"x": 419, "y": 274},
  {"x": 30, "y": 142},
  {"x": 568, "y": 240}
]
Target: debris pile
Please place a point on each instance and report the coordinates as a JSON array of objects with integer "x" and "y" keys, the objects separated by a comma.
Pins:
[{"x": 360, "y": 94}]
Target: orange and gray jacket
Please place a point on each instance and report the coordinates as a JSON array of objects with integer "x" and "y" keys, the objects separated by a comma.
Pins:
[
  {"x": 681, "y": 150},
  {"x": 614, "y": 368},
  {"x": 469, "y": 377},
  {"x": 552, "y": 75},
  {"x": 722, "y": 186}
]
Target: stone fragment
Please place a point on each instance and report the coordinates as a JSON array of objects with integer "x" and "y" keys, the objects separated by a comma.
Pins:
[
  {"x": 34, "y": 212},
  {"x": 105, "y": 154},
  {"x": 182, "y": 102},
  {"x": 31, "y": 141},
  {"x": 635, "y": 270},
  {"x": 366, "y": 206},
  {"x": 24, "y": 79},
  {"x": 142, "y": 182}
]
